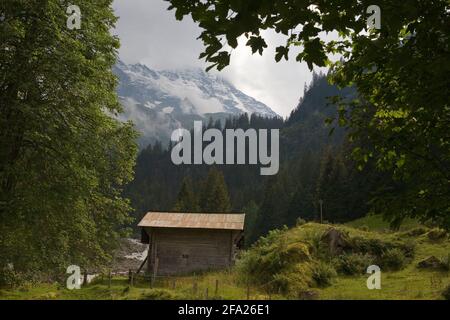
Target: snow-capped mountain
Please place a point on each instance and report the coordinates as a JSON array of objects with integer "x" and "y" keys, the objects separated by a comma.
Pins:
[{"x": 159, "y": 102}]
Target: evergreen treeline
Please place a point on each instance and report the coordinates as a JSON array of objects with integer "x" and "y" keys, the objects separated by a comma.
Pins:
[
  {"x": 158, "y": 181},
  {"x": 315, "y": 165},
  {"x": 209, "y": 195}
]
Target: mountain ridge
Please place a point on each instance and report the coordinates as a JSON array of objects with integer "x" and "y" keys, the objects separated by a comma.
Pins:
[{"x": 159, "y": 102}]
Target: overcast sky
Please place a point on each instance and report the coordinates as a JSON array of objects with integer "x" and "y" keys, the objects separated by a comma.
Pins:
[{"x": 151, "y": 35}]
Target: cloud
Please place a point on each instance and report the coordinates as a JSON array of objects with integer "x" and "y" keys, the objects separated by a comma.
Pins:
[{"x": 151, "y": 35}]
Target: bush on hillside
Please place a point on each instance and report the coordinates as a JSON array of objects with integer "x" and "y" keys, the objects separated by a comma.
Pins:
[
  {"x": 393, "y": 259},
  {"x": 408, "y": 248},
  {"x": 323, "y": 274},
  {"x": 430, "y": 262},
  {"x": 271, "y": 255},
  {"x": 446, "y": 293},
  {"x": 291, "y": 282},
  {"x": 353, "y": 263},
  {"x": 377, "y": 247},
  {"x": 416, "y": 232},
  {"x": 445, "y": 263},
  {"x": 374, "y": 247},
  {"x": 436, "y": 234}
]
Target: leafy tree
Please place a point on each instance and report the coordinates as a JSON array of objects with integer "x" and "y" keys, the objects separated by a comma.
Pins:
[
  {"x": 251, "y": 211},
  {"x": 400, "y": 70},
  {"x": 63, "y": 157},
  {"x": 187, "y": 199}
]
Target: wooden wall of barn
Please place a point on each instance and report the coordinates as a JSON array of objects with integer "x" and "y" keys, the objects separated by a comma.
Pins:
[{"x": 184, "y": 250}]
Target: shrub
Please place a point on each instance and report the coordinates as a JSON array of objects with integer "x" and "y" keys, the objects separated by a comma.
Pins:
[
  {"x": 377, "y": 247},
  {"x": 323, "y": 274},
  {"x": 292, "y": 281},
  {"x": 408, "y": 248},
  {"x": 364, "y": 228},
  {"x": 294, "y": 253},
  {"x": 354, "y": 263},
  {"x": 436, "y": 234},
  {"x": 374, "y": 247},
  {"x": 445, "y": 263},
  {"x": 415, "y": 232},
  {"x": 300, "y": 222},
  {"x": 9, "y": 278},
  {"x": 430, "y": 262},
  {"x": 393, "y": 259},
  {"x": 315, "y": 243},
  {"x": 446, "y": 293},
  {"x": 259, "y": 264}
]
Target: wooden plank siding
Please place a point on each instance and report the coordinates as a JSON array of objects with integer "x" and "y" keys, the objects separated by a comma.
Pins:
[{"x": 185, "y": 250}]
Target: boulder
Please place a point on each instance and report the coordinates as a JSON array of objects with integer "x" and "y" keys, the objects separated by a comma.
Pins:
[
  {"x": 308, "y": 295},
  {"x": 429, "y": 263},
  {"x": 336, "y": 241}
]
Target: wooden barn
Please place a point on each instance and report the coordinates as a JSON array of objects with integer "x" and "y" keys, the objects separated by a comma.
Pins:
[{"x": 181, "y": 243}]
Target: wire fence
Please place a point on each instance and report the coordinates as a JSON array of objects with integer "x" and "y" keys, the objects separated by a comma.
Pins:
[{"x": 210, "y": 287}]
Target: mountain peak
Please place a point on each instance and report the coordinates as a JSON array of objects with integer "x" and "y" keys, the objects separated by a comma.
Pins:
[{"x": 169, "y": 99}]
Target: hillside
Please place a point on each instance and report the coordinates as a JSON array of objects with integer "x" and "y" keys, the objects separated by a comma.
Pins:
[{"x": 297, "y": 263}]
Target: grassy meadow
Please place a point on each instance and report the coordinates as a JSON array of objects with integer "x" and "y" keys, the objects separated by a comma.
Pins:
[{"x": 294, "y": 264}]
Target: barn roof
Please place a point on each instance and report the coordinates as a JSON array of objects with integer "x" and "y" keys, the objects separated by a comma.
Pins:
[{"x": 228, "y": 221}]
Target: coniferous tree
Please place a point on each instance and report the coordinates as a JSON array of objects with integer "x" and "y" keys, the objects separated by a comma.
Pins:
[
  {"x": 301, "y": 205},
  {"x": 251, "y": 211},
  {"x": 215, "y": 196},
  {"x": 332, "y": 188},
  {"x": 187, "y": 200}
]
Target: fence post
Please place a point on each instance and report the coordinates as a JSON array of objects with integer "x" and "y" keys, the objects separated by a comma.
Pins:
[
  {"x": 248, "y": 291},
  {"x": 194, "y": 288},
  {"x": 131, "y": 277},
  {"x": 155, "y": 271},
  {"x": 216, "y": 291},
  {"x": 206, "y": 293}
]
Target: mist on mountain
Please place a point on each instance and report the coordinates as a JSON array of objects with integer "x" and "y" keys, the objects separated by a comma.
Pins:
[{"x": 158, "y": 102}]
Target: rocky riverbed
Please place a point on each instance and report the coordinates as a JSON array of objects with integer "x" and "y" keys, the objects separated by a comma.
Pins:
[{"x": 129, "y": 255}]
